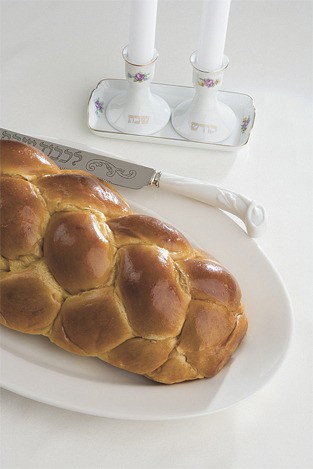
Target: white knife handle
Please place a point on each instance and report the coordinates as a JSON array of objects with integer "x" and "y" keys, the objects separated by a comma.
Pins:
[{"x": 247, "y": 210}]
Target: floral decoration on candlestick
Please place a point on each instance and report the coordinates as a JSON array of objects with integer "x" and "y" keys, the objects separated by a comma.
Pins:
[
  {"x": 208, "y": 82},
  {"x": 139, "y": 77}
]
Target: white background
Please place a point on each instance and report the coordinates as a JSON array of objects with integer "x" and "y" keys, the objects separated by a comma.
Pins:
[{"x": 53, "y": 53}]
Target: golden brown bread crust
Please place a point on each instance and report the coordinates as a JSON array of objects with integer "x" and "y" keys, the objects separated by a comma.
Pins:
[{"x": 80, "y": 268}]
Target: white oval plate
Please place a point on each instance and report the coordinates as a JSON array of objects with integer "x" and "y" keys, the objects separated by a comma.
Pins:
[{"x": 35, "y": 368}]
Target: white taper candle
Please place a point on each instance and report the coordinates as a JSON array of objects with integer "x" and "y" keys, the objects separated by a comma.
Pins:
[
  {"x": 142, "y": 26},
  {"x": 213, "y": 31}
]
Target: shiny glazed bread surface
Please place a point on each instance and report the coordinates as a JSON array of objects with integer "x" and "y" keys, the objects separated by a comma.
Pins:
[{"x": 98, "y": 280}]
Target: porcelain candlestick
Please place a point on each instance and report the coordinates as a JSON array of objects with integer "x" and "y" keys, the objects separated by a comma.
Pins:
[
  {"x": 204, "y": 118},
  {"x": 138, "y": 111}
]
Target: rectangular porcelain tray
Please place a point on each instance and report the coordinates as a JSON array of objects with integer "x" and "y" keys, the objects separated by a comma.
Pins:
[{"x": 241, "y": 104}]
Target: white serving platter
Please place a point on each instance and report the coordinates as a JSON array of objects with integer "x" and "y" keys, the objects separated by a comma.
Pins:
[
  {"x": 35, "y": 368},
  {"x": 241, "y": 104}
]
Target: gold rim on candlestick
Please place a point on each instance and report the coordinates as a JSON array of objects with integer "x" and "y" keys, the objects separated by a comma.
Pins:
[
  {"x": 221, "y": 69},
  {"x": 125, "y": 57}
]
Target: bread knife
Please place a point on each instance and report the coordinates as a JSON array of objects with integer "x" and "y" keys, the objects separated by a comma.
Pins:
[{"x": 134, "y": 176}]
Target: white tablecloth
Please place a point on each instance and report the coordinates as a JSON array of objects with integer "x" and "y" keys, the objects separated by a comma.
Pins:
[{"x": 53, "y": 54}]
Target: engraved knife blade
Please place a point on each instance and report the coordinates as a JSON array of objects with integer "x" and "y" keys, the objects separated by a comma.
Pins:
[{"x": 108, "y": 168}]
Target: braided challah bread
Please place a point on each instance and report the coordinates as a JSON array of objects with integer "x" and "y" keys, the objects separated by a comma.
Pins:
[{"x": 98, "y": 280}]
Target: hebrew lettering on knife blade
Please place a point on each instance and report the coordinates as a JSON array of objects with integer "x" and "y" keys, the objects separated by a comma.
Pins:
[{"x": 52, "y": 150}]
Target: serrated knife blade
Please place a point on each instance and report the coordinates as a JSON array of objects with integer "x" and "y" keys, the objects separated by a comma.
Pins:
[{"x": 134, "y": 176}]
